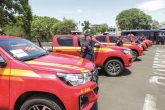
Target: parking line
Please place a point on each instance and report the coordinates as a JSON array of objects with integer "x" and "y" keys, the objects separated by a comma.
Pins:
[
  {"x": 149, "y": 103},
  {"x": 155, "y": 80}
]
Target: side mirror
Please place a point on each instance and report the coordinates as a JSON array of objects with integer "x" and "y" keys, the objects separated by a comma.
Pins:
[
  {"x": 49, "y": 50},
  {"x": 2, "y": 62},
  {"x": 97, "y": 45}
]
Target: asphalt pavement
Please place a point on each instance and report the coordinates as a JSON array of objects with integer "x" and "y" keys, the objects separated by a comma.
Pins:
[{"x": 140, "y": 87}]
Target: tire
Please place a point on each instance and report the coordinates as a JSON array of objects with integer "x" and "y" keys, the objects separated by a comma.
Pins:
[
  {"x": 113, "y": 67},
  {"x": 135, "y": 55},
  {"x": 39, "y": 103}
]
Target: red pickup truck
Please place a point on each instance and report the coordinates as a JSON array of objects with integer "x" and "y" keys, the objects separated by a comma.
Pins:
[
  {"x": 112, "y": 59},
  {"x": 33, "y": 79},
  {"x": 107, "y": 40},
  {"x": 135, "y": 41}
]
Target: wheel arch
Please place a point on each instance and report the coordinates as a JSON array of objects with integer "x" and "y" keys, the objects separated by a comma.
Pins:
[
  {"x": 136, "y": 51},
  {"x": 29, "y": 94},
  {"x": 116, "y": 58}
]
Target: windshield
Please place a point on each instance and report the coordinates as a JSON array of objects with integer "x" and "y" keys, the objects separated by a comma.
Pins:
[
  {"x": 126, "y": 39},
  {"x": 21, "y": 49}
]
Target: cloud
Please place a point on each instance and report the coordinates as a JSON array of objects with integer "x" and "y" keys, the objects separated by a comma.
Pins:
[
  {"x": 67, "y": 12},
  {"x": 152, "y": 5},
  {"x": 71, "y": 11},
  {"x": 79, "y": 10}
]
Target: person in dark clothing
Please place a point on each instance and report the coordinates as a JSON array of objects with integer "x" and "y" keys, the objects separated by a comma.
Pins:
[
  {"x": 87, "y": 49},
  {"x": 119, "y": 42}
]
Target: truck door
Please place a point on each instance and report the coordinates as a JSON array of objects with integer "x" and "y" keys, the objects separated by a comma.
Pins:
[
  {"x": 4, "y": 82},
  {"x": 65, "y": 45}
]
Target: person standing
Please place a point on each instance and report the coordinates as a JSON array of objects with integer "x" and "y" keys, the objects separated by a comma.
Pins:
[
  {"x": 87, "y": 49},
  {"x": 119, "y": 42}
]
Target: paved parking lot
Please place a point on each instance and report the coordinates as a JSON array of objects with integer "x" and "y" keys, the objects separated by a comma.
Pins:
[{"x": 141, "y": 87}]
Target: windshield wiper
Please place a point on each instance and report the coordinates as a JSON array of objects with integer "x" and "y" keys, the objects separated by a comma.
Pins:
[
  {"x": 42, "y": 55},
  {"x": 28, "y": 59}
]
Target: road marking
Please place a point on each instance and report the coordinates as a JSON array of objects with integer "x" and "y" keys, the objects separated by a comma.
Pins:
[
  {"x": 160, "y": 74},
  {"x": 149, "y": 103},
  {"x": 160, "y": 70},
  {"x": 155, "y": 80}
]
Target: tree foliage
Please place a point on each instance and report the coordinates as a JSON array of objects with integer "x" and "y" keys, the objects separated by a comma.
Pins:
[
  {"x": 15, "y": 14},
  {"x": 98, "y": 29},
  {"x": 155, "y": 25},
  {"x": 41, "y": 26},
  {"x": 86, "y": 26},
  {"x": 14, "y": 30},
  {"x": 26, "y": 14},
  {"x": 133, "y": 19},
  {"x": 8, "y": 8},
  {"x": 64, "y": 27}
]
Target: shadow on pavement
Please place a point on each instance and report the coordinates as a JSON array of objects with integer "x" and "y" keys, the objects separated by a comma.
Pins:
[
  {"x": 146, "y": 50},
  {"x": 138, "y": 59},
  {"x": 125, "y": 72}
]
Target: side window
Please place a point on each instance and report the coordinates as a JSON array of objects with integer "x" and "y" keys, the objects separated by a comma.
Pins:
[
  {"x": 101, "y": 38},
  {"x": 113, "y": 39},
  {"x": 65, "y": 41}
]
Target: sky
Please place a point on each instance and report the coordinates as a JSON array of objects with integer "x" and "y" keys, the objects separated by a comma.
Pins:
[{"x": 96, "y": 11}]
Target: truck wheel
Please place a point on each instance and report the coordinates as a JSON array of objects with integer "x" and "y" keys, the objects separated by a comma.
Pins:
[
  {"x": 40, "y": 104},
  {"x": 113, "y": 67},
  {"x": 135, "y": 55}
]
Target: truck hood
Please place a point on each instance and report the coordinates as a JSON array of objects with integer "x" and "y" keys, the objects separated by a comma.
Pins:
[{"x": 61, "y": 63}]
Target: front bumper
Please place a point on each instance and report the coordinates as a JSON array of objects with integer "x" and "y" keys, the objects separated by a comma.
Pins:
[
  {"x": 81, "y": 97},
  {"x": 128, "y": 60},
  {"x": 140, "y": 51}
]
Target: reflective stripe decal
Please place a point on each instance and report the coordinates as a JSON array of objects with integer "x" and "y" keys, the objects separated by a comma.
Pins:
[
  {"x": 17, "y": 73},
  {"x": 58, "y": 65},
  {"x": 67, "y": 48},
  {"x": 115, "y": 44},
  {"x": 24, "y": 73},
  {"x": 79, "y": 48},
  {"x": 127, "y": 44},
  {"x": 109, "y": 43},
  {"x": 11, "y": 78}
]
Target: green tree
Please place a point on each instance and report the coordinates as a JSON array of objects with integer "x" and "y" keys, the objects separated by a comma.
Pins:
[
  {"x": 26, "y": 14},
  {"x": 133, "y": 19},
  {"x": 162, "y": 25},
  {"x": 15, "y": 29},
  {"x": 155, "y": 25},
  {"x": 8, "y": 8},
  {"x": 86, "y": 26},
  {"x": 64, "y": 27},
  {"x": 41, "y": 27},
  {"x": 98, "y": 29}
]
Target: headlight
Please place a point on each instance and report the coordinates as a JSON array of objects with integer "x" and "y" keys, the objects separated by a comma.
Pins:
[
  {"x": 75, "y": 79},
  {"x": 139, "y": 45},
  {"x": 126, "y": 51}
]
